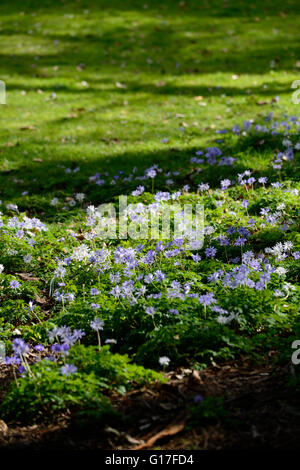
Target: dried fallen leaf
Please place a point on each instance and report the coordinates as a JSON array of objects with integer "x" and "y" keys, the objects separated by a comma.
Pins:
[
  {"x": 27, "y": 277},
  {"x": 40, "y": 300},
  {"x": 112, "y": 430},
  {"x": 196, "y": 377},
  {"x": 3, "y": 427},
  {"x": 132, "y": 440},
  {"x": 170, "y": 430}
]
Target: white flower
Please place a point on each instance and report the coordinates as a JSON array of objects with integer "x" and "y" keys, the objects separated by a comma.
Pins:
[
  {"x": 278, "y": 293},
  {"x": 1, "y": 268},
  {"x": 11, "y": 207},
  {"x": 279, "y": 250},
  {"x": 80, "y": 197},
  {"x": 54, "y": 201},
  {"x": 225, "y": 319},
  {"x": 281, "y": 271},
  {"x": 164, "y": 361},
  {"x": 91, "y": 210},
  {"x": 27, "y": 258},
  {"x": 287, "y": 286},
  {"x": 80, "y": 253}
]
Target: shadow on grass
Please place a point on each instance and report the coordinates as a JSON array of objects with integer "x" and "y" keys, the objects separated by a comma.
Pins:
[
  {"x": 47, "y": 179},
  {"x": 186, "y": 42},
  {"x": 214, "y": 7},
  {"x": 273, "y": 89}
]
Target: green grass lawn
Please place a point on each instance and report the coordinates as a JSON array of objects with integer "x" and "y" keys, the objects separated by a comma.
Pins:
[
  {"x": 101, "y": 88},
  {"x": 100, "y": 84}
]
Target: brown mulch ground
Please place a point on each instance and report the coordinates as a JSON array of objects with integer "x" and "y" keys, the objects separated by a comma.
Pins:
[{"x": 263, "y": 413}]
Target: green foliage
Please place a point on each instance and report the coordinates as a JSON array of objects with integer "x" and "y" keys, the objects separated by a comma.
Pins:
[
  {"x": 45, "y": 392},
  {"x": 117, "y": 370},
  {"x": 90, "y": 97},
  {"x": 193, "y": 340}
]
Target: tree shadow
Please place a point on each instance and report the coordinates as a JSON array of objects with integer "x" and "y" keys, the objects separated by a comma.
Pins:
[
  {"x": 189, "y": 44},
  {"x": 215, "y": 8},
  {"x": 50, "y": 178}
]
